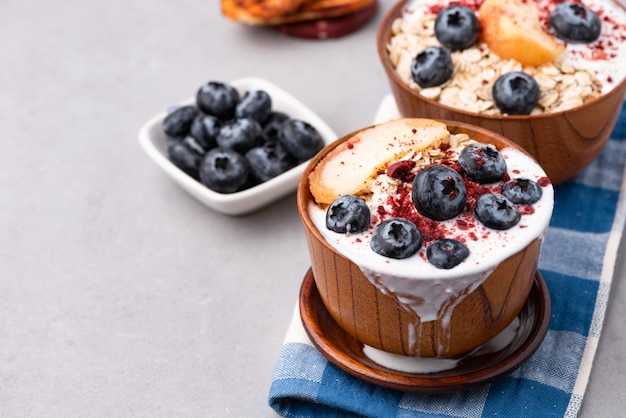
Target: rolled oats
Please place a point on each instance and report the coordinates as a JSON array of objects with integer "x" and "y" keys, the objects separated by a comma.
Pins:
[
  {"x": 431, "y": 93},
  {"x": 561, "y": 85}
]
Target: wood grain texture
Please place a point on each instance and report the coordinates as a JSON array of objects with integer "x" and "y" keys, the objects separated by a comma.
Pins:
[{"x": 346, "y": 352}]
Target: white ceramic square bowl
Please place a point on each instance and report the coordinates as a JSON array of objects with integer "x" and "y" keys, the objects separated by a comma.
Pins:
[{"x": 154, "y": 143}]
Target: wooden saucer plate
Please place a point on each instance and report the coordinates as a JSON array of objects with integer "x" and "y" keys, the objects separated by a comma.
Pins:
[{"x": 346, "y": 352}]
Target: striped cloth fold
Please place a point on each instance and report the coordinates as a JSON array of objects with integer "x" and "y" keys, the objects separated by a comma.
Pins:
[{"x": 577, "y": 262}]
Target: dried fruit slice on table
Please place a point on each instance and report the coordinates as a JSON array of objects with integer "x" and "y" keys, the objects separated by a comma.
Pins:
[
  {"x": 274, "y": 12},
  {"x": 258, "y": 12},
  {"x": 331, "y": 27}
]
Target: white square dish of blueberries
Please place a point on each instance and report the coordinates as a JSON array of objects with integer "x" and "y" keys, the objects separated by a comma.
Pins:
[{"x": 236, "y": 146}]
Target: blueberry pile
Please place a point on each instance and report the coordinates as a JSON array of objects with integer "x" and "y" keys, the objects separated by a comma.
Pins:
[
  {"x": 230, "y": 142},
  {"x": 440, "y": 192}
]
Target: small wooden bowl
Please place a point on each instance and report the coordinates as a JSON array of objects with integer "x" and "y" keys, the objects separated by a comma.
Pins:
[
  {"x": 563, "y": 143},
  {"x": 379, "y": 321}
]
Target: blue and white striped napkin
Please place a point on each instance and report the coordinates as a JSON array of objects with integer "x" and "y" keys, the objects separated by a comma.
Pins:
[{"x": 577, "y": 263}]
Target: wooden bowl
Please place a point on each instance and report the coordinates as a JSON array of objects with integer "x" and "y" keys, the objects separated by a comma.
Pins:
[
  {"x": 563, "y": 143},
  {"x": 378, "y": 320}
]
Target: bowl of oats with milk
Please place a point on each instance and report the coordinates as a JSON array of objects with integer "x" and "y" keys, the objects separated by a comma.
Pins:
[{"x": 547, "y": 74}]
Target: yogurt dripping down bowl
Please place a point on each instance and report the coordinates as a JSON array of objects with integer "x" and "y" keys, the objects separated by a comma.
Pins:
[
  {"x": 563, "y": 143},
  {"x": 380, "y": 321}
]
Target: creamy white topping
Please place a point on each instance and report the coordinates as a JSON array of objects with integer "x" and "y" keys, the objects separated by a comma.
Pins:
[
  {"x": 488, "y": 247},
  {"x": 434, "y": 365}
]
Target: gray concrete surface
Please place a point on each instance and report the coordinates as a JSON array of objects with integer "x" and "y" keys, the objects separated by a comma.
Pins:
[{"x": 121, "y": 295}]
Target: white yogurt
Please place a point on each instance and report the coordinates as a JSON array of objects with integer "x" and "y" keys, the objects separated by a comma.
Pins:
[
  {"x": 487, "y": 250},
  {"x": 424, "y": 365}
]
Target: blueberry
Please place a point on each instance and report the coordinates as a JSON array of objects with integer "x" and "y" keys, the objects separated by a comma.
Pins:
[
  {"x": 186, "y": 155},
  {"x": 515, "y": 93},
  {"x": 446, "y": 253},
  {"x": 224, "y": 170},
  {"x": 205, "y": 129},
  {"x": 240, "y": 135},
  {"x": 396, "y": 238},
  {"x": 432, "y": 67},
  {"x": 255, "y": 104},
  {"x": 217, "y": 99},
  {"x": 273, "y": 125},
  {"x": 268, "y": 161},
  {"x": 575, "y": 23},
  {"x": 178, "y": 122},
  {"x": 522, "y": 191},
  {"x": 301, "y": 140},
  {"x": 483, "y": 163},
  {"x": 348, "y": 213},
  {"x": 439, "y": 192},
  {"x": 496, "y": 211},
  {"x": 456, "y": 27}
]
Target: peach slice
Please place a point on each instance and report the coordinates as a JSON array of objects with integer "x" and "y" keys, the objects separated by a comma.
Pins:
[
  {"x": 352, "y": 165},
  {"x": 512, "y": 30}
]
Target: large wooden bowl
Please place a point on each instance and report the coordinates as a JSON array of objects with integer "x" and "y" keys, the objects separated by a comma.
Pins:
[
  {"x": 563, "y": 143},
  {"x": 378, "y": 320}
]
